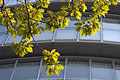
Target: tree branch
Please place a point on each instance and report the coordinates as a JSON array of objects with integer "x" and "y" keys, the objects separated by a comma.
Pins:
[{"x": 29, "y": 26}]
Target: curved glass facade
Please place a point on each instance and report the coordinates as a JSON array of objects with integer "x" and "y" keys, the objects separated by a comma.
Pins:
[
  {"x": 75, "y": 68},
  {"x": 110, "y": 31}
]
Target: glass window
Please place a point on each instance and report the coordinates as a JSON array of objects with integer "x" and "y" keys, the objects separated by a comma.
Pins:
[
  {"x": 18, "y": 39},
  {"x": 92, "y": 37},
  {"x": 42, "y": 25},
  {"x": 111, "y": 30},
  {"x": 111, "y": 26},
  {"x": 2, "y": 37},
  {"x": 71, "y": 23},
  {"x": 77, "y": 70},
  {"x": 47, "y": 35},
  {"x": 96, "y": 36},
  {"x": 11, "y": 2},
  {"x": 14, "y": 2},
  {"x": 111, "y": 35},
  {"x": 11, "y": 39},
  {"x": 118, "y": 71},
  {"x": 2, "y": 28},
  {"x": 26, "y": 71},
  {"x": 43, "y": 75},
  {"x": 6, "y": 71},
  {"x": 102, "y": 71},
  {"x": 67, "y": 33}
]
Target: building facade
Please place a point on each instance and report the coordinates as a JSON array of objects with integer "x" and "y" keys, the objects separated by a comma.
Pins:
[{"x": 95, "y": 57}]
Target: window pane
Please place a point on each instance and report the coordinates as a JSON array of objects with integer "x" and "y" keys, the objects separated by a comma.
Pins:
[
  {"x": 43, "y": 75},
  {"x": 2, "y": 37},
  {"x": 71, "y": 23},
  {"x": 92, "y": 37},
  {"x": 26, "y": 71},
  {"x": 96, "y": 36},
  {"x": 118, "y": 71},
  {"x": 111, "y": 30},
  {"x": 42, "y": 25},
  {"x": 6, "y": 71},
  {"x": 11, "y": 39},
  {"x": 67, "y": 33},
  {"x": 77, "y": 70},
  {"x": 3, "y": 31},
  {"x": 14, "y": 2},
  {"x": 11, "y": 2},
  {"x": 111, "y": 26},
  {"x": 111, "y": 35},
  {"x": 102, "y": 71},
  {"x": 2, "y": 28},
  {"x": 47, "y": 35}
]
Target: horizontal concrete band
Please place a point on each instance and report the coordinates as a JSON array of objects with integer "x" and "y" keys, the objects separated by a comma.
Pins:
[{"x": 83, "y": 48}]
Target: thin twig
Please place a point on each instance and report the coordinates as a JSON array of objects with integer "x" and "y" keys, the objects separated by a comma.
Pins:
[
  {"x": 37, "y": 43},
  {"x": 28, "y": 16},
  {"x": 9, "y": 18}
]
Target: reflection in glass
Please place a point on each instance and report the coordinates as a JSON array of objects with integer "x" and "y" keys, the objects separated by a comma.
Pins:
[
  {"x": 6, "y": 71},
  {"x": 102, "y": 71},
  {"x": 26, "y": 71},
  {"x": 67, "y": 33},
  {"x": 77, "y": 70}
]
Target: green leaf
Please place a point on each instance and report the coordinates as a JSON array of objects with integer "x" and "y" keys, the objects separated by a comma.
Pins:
[
  {"x": 42, "y": 29},
  {"x": 53, "y": 29},
  {"x": 64, "y": 7},
  {"x": 53, "y": 51},
  {"x": 69, "y": 0},
  {"x": 50, "y": 12}
]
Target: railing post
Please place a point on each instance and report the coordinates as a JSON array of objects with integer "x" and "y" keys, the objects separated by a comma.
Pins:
[
  {"x": 114, "y": 71},
  {"x": 65, "y": 69},
  {"x": 54, "y": 34},
  {"x": 101, "y": 29},
  {"x": 11, "y": 78},
  {"x": 38, "y": 77},
  {"x": 90, "y": 67}
]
